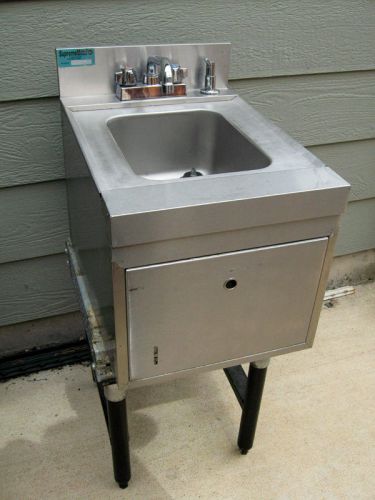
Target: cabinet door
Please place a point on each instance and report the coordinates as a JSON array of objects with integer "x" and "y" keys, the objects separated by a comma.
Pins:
[{"x": 211, "y": 309}]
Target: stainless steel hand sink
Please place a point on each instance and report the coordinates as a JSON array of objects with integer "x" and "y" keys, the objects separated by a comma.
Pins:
[
  {"x": 201, "y": 234},
  {"x": 191, "y": 271},
  {"x": 162, "y": 146}
]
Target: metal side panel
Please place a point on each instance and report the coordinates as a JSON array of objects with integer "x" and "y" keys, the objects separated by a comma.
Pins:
[{"x": 181, "y": 315}]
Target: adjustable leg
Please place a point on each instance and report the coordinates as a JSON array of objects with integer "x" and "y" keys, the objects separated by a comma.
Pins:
[
  {"x": 251, "y": 404},
  {"x": 118, "y": 433}
]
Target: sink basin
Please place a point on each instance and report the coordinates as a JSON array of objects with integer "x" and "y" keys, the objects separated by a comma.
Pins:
[
  {"x": 138, "y": 155},
  {"x": 184, "y": 144}
]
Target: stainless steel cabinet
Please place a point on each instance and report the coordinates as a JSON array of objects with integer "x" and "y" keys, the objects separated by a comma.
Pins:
[{"x": 207, "y": 310}]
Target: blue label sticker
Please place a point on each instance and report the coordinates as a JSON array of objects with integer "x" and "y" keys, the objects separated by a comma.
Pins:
[{"x": 69, "y": 58}]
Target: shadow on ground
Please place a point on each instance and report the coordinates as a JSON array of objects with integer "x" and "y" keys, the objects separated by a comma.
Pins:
[{"x": 74, "y": 454}]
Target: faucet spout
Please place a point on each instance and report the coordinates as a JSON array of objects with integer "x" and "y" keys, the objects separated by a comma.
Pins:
[
  {"x": 159, "y": 71},
  {"x": 167, "y": 79}
]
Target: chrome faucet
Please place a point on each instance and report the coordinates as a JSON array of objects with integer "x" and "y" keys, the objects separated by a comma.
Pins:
[
  {"x": 162, "y": 78},
  {"x": 209, "y": 78},
  {"x": 166, "y": 77},
  {"x": 152, "y": 75},
  {"x": 161, "y": 70}
]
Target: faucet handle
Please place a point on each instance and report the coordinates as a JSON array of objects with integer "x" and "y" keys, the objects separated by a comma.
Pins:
[
  {"x": 152, "y": 75},
  {"x": 178, "y": 73},
  {"x": 209, "y": 78},
  {"x": 127, "y": 77},
  {"x": 118, "y": 77}
]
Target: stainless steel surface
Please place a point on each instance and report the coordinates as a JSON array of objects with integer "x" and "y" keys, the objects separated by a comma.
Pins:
[
  {"x": 209, "y": 78},
  {"x": 94, "y": 103},
  {"x": 179, "y": 142},
  {"x": 97, "y": 80},
  {"x": 121, "y": 367},
  {"x": 132, "y": 213},
  {"x": 134, "y": 384},
  {"x": 184, "y": 309},
  {"x": 221, "y": 242},
  {"x": 321, "y": 289}
]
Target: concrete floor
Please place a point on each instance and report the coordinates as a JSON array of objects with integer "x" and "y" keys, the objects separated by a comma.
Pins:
[{"x": 315, "y": 437}]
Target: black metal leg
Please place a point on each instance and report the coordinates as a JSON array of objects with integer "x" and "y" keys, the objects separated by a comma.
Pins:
[
  {"x": 103, "y": 402},
  {"x": 251, "y": 405},
  {"x": 118, "y": 433}
]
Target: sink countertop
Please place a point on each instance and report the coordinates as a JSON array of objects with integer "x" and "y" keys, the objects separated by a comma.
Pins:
[{"x": 201, "y": 203}]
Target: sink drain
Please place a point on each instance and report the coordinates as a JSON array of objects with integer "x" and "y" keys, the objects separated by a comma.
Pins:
[{"x": 192, "y": 173}]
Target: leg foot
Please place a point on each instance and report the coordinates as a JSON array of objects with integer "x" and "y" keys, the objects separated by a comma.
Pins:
[{"x": 251, "y": 406}]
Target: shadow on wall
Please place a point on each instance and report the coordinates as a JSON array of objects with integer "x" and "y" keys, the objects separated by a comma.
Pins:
[{"x": 73, "y": 457}]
